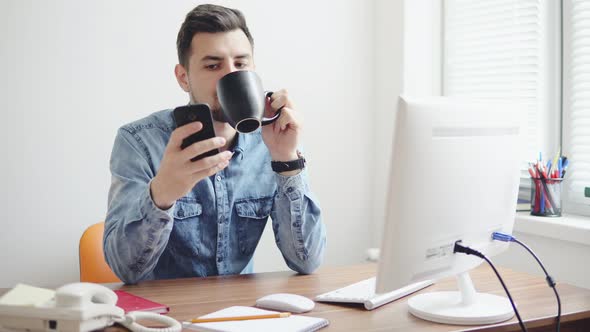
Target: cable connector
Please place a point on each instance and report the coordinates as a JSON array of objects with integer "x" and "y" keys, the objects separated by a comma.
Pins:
[
  {"x": 550, "y": 281},
  {"x": 502, "y": 237},
  {"x": 466, "y": 250}
]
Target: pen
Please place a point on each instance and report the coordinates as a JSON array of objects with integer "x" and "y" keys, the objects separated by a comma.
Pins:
[
  {"x": 554, "y": 162},
  {"x": 564, "y": 166},
  {"x": 532, "y": 173},
  {"x": 224, "y": 319},
  {"x": 542, "y": 202}
]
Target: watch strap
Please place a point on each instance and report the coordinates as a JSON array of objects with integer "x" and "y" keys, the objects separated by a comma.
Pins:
[{"x": 285, "y": 166}]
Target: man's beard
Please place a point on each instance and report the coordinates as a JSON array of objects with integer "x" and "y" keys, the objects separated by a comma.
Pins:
[
  {"x": 217, "y": 115},
  {"x": 216, "y": 112}
]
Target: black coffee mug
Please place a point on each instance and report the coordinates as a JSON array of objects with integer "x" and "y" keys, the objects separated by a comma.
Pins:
[{"x": 243, "y": 101}]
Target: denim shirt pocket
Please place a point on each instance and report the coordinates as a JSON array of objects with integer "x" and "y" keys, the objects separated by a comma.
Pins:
[
  {"x": 186, "y": 209},
  {"x": 185, "y": 238},
  {"x": 252, "y": 217}
]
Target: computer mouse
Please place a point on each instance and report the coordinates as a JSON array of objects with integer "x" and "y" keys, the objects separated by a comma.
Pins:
[{"x": 286, "y": 302}]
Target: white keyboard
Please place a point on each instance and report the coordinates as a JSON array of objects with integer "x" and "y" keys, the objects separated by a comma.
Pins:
[{"x": 364, "y": 292}]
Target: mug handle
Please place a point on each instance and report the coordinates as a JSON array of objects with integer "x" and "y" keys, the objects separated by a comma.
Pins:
[{"x": 267, "y": 121}]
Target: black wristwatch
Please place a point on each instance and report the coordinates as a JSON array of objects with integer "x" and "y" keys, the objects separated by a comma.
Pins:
[{"x": 285, "y": 166}]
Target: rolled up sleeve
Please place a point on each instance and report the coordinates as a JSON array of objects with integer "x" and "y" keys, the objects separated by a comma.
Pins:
[
  {"x": 136, "y": 230},
  {"x": 299, "y": 231}
]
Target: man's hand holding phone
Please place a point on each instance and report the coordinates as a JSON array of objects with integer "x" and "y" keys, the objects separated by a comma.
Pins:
[{"x": 181, "y": 169}]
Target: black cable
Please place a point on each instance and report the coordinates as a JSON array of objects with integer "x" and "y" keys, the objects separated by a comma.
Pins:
[
  {"x": 549, "y": 279},
  {"x": 466, "y": 250},
  {"x": 509, "y": 238}
]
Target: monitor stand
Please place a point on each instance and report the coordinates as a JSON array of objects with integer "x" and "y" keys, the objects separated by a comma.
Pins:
[{"x": 465, "y": 307}]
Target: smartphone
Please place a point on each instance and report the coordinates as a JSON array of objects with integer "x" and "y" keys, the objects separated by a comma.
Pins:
[{"x": 198, "y": 112}]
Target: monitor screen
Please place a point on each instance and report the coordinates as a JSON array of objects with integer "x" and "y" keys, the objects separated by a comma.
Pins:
[{"x": 454, "y": 176}]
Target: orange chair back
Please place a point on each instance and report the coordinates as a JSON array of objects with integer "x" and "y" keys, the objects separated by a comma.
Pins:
[{"x": 93, "y": 267}]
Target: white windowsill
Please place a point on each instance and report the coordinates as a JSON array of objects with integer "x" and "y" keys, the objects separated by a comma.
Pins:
[{"x": 570, "y": 228}]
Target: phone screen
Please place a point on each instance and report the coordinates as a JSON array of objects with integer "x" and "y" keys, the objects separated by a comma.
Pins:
[{"x": 191, "y": 113}]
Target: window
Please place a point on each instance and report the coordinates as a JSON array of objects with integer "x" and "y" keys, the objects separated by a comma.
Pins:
[
  {"x": 576, "y": 103},
  {"x": 511, "y": 50}
]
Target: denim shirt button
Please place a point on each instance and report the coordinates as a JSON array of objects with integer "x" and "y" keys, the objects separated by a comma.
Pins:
[
  {"x": 290, "y": 189},
  {"x": 181, "y": 213},
  {"x": 219, "y": 259},
  {"x": 218, "y": 178}
]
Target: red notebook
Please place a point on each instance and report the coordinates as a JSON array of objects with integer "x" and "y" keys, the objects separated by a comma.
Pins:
[{"x": 130, "y": 302}]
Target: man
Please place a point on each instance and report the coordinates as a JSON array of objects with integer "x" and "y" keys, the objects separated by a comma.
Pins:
[{"x": 169, "y": 217}]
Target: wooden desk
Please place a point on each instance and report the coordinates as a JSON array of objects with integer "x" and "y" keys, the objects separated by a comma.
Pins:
[{"x": 193, "y": 297}]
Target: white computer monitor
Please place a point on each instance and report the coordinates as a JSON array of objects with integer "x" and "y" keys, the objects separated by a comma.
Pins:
[{"x": 454, "y": 176}]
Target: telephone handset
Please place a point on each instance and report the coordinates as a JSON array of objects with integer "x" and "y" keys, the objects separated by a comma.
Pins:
[{"x": 78, "y": 307}]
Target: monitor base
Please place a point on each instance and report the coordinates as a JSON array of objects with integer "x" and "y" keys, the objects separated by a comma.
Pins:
[{"x": 465, "y": 307}]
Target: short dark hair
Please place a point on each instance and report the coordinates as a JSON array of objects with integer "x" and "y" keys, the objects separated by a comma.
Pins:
[{"x": 208, "y": 18}]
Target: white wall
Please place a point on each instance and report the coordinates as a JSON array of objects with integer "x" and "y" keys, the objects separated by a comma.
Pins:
[
  {"x": 72, "y": 72},
  {"x": 388, "y": 69},
  {"x": 407, "y": 60},
  {"x": 565, "y": 261},
  {"x": 562, "y": 244}
]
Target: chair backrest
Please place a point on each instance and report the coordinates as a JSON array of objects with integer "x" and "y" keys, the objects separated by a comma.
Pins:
[{"x": 93, "y": 267}]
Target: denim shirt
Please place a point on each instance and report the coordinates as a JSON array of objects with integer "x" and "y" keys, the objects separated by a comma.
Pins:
[{"x": 215, "y": 228}]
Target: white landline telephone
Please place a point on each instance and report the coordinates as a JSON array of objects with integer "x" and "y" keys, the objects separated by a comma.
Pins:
[{"x": 78, "y": 307}]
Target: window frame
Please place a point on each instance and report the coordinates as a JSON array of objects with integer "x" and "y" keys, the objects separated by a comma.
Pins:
[{"x": 569, "y": 205}]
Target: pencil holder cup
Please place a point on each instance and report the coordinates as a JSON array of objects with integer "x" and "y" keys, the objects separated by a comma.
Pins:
[{"x": 546, "y": 197}]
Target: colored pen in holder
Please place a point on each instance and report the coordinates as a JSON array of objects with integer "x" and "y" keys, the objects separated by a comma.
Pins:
[{"x": 546, "y": 197}]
